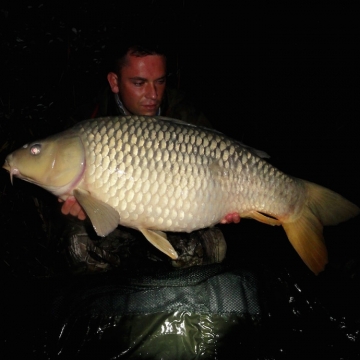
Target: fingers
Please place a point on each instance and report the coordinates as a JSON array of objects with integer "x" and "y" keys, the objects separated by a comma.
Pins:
[
  {"x": 72, "y": 207},
  {"x": 230, "y": 218},
  {"x": 235, "y": 218},
  {"x": 66, "y": 207},
  {"x": 76, "y": 210}
]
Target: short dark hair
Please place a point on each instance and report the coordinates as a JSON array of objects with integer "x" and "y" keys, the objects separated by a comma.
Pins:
[{"x": 138, "y": 51}]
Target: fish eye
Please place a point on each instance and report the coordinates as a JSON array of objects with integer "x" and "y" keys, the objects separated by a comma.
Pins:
[{"x": 35, "y": 149}]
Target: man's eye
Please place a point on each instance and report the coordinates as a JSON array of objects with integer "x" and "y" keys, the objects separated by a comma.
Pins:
[
  {"x": 161, "y": 81},
  {"x": 138, "y": 83}
]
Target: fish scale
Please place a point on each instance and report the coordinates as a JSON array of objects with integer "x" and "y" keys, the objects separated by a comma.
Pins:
[
  {"x": 172, "y": 168},
  {"x": 159, "y": 174}
]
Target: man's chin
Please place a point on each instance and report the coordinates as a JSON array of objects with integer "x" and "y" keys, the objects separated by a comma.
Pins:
[
  {"x": 142, "y": 112},
  {"x": 149, "y": 110}
]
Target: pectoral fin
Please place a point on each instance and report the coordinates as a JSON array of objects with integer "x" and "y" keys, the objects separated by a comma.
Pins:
[
  {"x": 159, "y": 240},
  {"x": 104, "y": 218}
]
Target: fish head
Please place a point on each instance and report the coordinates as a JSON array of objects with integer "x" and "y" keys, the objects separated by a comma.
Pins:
[{"x": 56, "y": 163}]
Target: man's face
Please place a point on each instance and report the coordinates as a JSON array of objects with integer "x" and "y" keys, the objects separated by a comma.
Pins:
[{"x": 141, "y": 84}]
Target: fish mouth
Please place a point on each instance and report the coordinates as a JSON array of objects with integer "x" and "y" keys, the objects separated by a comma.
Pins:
[
  {"x": 12, "y": 171},
  {"x": 6, "y": 165}
]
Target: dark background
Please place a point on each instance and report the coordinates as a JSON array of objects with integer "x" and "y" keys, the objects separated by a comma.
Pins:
[{"x": 284, "y": 80}]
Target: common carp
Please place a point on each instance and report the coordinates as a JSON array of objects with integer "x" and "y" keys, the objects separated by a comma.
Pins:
[{"x": 156, "y": 174}]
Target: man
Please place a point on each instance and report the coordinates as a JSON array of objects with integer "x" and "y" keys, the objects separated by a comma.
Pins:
[
  {"x": 138, "y": 87},
  {"x": 149, "y": 301}
]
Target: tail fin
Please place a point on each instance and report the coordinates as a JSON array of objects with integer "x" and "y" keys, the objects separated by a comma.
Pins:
[{"x": 323, "y": 207}]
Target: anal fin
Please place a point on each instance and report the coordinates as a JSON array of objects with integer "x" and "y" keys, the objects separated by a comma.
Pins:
[{"x": 160, "y": 241}]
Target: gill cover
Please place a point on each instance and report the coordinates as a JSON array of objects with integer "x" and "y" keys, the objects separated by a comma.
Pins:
[{"x": 56, "y": 163}]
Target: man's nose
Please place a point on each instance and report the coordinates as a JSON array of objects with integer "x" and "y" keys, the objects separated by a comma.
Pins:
[{"x": 152, "y": 91}]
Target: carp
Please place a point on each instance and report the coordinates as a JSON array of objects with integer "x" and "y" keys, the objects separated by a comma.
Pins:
[{"x": 156, "y": 174}]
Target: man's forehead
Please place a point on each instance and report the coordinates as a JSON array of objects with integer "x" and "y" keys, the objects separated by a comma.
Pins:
[{"x": 142, "y": 65}]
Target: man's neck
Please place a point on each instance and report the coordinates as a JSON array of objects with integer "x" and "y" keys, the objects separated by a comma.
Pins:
[{"x": 120, "y": 105}]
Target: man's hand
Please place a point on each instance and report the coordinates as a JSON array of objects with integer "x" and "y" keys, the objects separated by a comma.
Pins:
[
  {"x": 72, "y": 207},
  {"x": 230, "y": 218}
]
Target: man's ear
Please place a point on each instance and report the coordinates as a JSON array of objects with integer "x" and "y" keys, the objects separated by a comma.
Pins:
[{"x": 113, "y": 82}]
